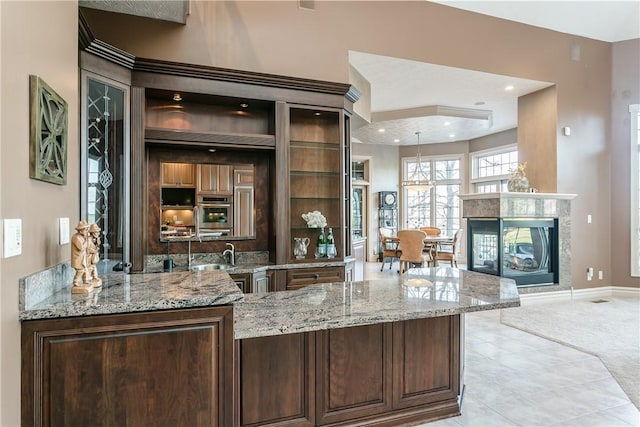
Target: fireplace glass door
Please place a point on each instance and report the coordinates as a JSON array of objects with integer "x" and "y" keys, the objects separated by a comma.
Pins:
[{"x": 525, "y": 250}]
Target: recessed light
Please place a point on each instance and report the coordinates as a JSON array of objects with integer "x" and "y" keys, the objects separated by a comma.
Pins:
[
  {"x": 212, "y": 150},
  {"x": 396, "y": 140},
  {"x": 317, "y": 113},
  {"x": 451, "y": 135},
  {"x": 381, "y": 130},
  {"x": 244, "y": 105},
  {"x": 509, "y": 87},
  {"x": 447, "y": 123},
  {"x": 177, "y": 97}
]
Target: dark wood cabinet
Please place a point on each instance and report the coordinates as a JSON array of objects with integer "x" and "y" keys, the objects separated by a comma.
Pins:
[
  {"x": 353, "y": 368},
  {"x": 376, "y": 375},
  {"x": 300, "y": 277},
  {"x": 243, "y": 280},
  {"x": 277, "y": 381},
  {"x": 154, "y": 368},
  {"x": 429, "y": 350}
]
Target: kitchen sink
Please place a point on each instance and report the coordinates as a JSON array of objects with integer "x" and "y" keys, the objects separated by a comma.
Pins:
[{"x": 211, "y": 267}]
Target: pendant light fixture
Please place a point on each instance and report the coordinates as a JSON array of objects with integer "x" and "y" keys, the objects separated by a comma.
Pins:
[{"x": 418, "y": 180}]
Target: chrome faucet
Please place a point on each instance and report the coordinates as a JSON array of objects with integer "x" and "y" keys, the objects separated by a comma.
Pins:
[
  {"x": 231, "y": 251},
  {"x": 196, "y": 222}
]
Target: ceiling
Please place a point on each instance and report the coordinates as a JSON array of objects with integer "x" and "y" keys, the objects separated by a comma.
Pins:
[{"x": 454, "y": 104}]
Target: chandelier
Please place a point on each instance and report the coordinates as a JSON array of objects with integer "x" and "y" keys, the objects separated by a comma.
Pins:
[{"x": 418, "y": 180}]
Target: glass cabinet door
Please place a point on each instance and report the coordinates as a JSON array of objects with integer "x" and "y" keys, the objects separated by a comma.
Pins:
[{"x": 105, "y": 166}]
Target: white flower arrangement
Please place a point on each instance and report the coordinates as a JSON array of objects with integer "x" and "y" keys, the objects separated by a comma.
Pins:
[{"x": 315, "y": 219}]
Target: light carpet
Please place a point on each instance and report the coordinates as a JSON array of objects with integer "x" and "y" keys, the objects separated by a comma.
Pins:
[{"x": 609, "y": 330}]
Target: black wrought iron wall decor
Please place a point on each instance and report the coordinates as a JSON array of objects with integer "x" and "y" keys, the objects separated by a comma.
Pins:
[{"x": 48, "y": 133}]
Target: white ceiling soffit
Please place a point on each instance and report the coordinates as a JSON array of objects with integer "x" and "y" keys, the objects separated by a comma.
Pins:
[
  {"x": 609, "y": 21},
  {"x": 444, "y": 103},
  {"x": 166, "y": 10}
]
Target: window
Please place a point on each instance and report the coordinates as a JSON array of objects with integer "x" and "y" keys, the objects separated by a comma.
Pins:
[
  {"x": 490, "y": 170},
  {"x": 438, "y": 206},
  {"x": 635, "y": 188}
]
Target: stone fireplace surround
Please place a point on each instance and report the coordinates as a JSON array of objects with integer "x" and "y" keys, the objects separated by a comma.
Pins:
[{"x": 533, "y": 206}]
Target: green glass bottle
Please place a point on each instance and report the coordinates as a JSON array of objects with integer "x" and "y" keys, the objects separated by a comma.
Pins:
[
  {"x": 322, "y": 244},
  {"x": 331, "y": 245}
]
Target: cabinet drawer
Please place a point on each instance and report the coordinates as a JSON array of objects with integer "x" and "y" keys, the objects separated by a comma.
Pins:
[{"x": 301, "y": 277}]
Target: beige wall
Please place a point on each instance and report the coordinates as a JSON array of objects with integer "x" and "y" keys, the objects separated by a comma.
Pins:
[
  {"x": 495, "y": 140},
  {"x": 625, "y": 91},
  {"x": 537, "y": 124},
  {"x": 37, "y": 38}
]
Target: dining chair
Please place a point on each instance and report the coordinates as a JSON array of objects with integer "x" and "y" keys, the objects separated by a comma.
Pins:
[
  {"x": 412, "y": 244},
  {"x": 390, "y": 248},
  {"x": 452, "y": 254},
  {"x": 431, "y": 231}
]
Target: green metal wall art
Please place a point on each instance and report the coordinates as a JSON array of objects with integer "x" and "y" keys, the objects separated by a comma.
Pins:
[{"x": 48, "y": 133}]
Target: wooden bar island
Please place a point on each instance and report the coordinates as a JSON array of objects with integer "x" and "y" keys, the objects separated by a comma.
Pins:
[{"x": 189, "y": 349}]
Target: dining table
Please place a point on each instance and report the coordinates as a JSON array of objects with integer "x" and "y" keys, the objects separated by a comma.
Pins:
[{"x": 431, "y": 245}]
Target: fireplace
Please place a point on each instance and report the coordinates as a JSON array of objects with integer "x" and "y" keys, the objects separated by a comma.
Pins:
[
  {"x": 522, "y": 236},
  {"x": 522, "y": 249}
]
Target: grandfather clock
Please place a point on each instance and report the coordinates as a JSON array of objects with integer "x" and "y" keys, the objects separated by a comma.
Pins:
[{"x": 387, "y": 213}]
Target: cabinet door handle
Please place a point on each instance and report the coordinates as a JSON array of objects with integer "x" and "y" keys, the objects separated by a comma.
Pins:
[{"x": 316, "y": 276}]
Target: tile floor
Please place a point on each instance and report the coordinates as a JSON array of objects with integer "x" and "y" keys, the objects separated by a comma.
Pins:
[{"x": 513, "y": 378}]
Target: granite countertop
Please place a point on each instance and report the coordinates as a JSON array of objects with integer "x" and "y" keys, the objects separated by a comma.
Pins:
[
  {"x": 257, "y": 267},
  {"x": 122, "y": 293},
  {"x": 422, "y": 293}
]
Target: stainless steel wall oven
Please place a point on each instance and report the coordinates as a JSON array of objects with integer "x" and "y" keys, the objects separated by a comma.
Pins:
[{"x": 216, "y": 213}]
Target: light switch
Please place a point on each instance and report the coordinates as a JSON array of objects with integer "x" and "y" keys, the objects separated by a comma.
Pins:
[
  {"x": 12, "y": 237},
  {"x": 64, "y": 231},
  {"x": 589, "y": 219}
]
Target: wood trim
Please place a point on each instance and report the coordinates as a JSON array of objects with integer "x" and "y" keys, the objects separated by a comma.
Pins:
[
  {"x": 239, "y": 76},
  {"x": 138, "y": 185},
  {"x": 210, "y": 138},
  {"x": 88, "y": 43},
  {"x": 280, "y": 208},
  {"x": 353, "y": 94}
]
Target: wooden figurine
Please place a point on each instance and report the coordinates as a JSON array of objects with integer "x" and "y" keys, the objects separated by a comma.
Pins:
[
  {"x": 93, "y": 255},
  {"x": 79, "y": 241}
]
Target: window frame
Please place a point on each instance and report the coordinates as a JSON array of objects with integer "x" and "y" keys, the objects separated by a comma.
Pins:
[
  {"x": 500, "y": 180},
  {"x": 460, "y": 157}
]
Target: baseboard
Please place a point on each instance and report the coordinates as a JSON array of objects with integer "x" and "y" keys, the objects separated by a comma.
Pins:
[{"x": 588, "y": 293}]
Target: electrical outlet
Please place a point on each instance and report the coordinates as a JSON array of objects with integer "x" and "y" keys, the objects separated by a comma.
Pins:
[
  {"x": 589, "y": 219},
  {"x": 589, "y": 273},
  {"x": 600, "y": 275}
]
